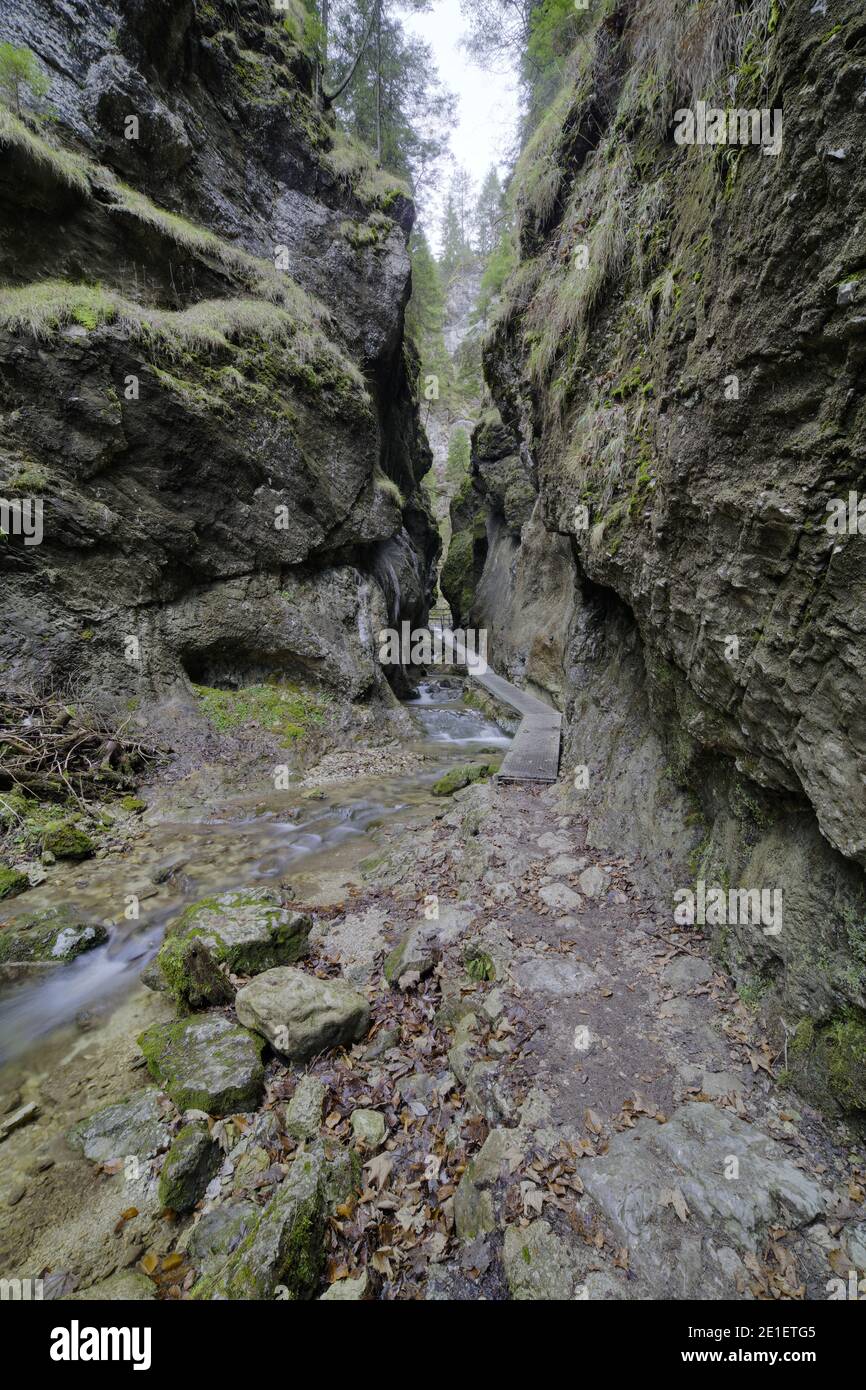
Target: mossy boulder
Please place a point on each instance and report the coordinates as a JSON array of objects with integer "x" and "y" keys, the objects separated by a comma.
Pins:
[
  {"x": 56, "y": 935},
  {"x": 66, "y": 840},
  {"x": 191, "y": 1162},
  {"x": 285, "y": 1248},
  {"x": 192, "y": 975},
  {"x": 247, "y": 931},
  {"x": 460, "y": 777},
  {"x": 12, "y": 882},
  {"x": 132, "y": 1128},
  {"x": 133, "y": 805},
  {"x": 206, "y": 1063}
]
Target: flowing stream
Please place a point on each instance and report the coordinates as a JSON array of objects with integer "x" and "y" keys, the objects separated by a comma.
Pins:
[{"x": 251, "y": 841}]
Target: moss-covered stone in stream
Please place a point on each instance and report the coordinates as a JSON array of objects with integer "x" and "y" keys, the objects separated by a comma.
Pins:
[
  {"x": 56, "y": 934},
  {"x": 12, "y": 882},
  {"x": 459, "y": 777},
  {"x": 65, "y": 840},
  {"x": 247, "y": 931},
  {"x": 206, "y": 1063},
  {"x": 192, "y": 975}
]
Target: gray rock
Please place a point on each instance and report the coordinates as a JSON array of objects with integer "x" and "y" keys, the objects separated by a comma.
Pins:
[
  {"x": 284, "y": 1250},
  {"x": 300, "y": 1014},
  {"x": 560, "y": 896},
  {"x": 191, "y": 1162},
  {"x": 127, "y": 1285},
  {"x": 218, "y": 1233},
  {"x": 369, "y": 1127},
  {"x": 538, "y": 1265},
  {"x": 593, "y": 881},
  {"x": 247, "y": 931},
  {"x": 206, "y": 1063},
  {"x": 686, "y": 971},
  {"x": 55, "y": 935},
  {"x": 735, "y": 1181},
  {"x": 479, "y": 1195},
  {"x": 136, "y": 1127},
  {"x": 346, "y": 1290},
  {"x": 304, "y": 1110}
]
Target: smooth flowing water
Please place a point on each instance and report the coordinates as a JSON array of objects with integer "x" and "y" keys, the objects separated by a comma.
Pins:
[{"x": 256, "y": 840}]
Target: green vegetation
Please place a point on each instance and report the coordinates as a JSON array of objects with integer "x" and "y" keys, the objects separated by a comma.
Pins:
[
  {"x": 65, "y": 840},
  {"x": 20, "y": 72},
  {"x": 283, "y": 710},
  {"x": 12, "y": 882},
  {"x": 70, "y": 169}
]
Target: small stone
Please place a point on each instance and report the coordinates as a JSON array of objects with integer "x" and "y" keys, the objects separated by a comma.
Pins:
[
  {"x": 304, "y": 1110},
  {"x": 593, "y": 881},
  {"x": 65, "y": 840},
  {"x": 560, "y": 896},
  {"x": 538, "y": 1264},
  {"x": 346, "y": 1290},
  {"x": 686, "y": 971},
  {"x": 368, "y": 1126}
]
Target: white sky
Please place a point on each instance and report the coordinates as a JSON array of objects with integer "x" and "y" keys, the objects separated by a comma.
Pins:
[{"x": 486, "y": 102}]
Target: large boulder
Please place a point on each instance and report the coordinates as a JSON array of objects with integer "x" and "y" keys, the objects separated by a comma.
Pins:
[
  {"x": 300, "y": 1014},
  {"x": 247, "y": 931},
  {"x": 206, "y": 1063}
]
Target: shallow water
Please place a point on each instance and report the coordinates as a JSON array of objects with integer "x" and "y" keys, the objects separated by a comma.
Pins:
[{"x": 244, "y": 841}]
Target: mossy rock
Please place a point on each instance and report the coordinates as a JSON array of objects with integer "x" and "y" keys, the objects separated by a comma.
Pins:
[
  {"x": 12, "y": 882},
  {"x": 135, "y": 1127},
  {"x": 65, "y": 840},
  {"x": 247, "y": 931},
  {"x": 285, "y": 1249},
  {"x": 460, "y": 777},
  {"x": 133, "y": 804},
  {"x": 829, "y": 1062},
  {"x": 191, "y": 1162},
  {"x": 192, "y": 975},
  {"x": 206, "y": 1063},
  {"x": 54, "y": 935}
]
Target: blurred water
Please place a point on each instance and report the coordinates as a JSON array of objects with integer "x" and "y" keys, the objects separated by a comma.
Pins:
[{"x": 248, "y": 842}]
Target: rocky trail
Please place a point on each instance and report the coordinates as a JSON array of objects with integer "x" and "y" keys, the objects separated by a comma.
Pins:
[{"x": 495, "y": 1069}]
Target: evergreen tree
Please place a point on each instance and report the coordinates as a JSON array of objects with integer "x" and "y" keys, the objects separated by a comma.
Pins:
[{"x": 489, "y": 213}]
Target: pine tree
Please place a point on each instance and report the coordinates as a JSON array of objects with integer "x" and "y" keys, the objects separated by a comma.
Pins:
[{"x": 489, "y": 213}]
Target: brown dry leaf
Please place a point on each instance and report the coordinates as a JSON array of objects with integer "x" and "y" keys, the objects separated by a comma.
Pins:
[
  {"x": 380, "y": 1169},
  {"x": 674, "y": 1198},
  {"x": 172, "y": 1261},
  {"x": 593, "y": 1121},
  {"x": 149, "y": 1262},
  {"x": 839, "y": 1262}
]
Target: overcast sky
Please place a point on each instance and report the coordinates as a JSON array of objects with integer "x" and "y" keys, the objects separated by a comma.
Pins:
[{"x": 486, "y": 102}]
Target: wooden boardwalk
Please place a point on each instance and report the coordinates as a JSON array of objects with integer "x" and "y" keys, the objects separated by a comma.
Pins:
[{"x": 534, "y": 752}]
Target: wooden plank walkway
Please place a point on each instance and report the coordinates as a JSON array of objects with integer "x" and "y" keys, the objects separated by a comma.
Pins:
[{"x": 533, "y": 755}]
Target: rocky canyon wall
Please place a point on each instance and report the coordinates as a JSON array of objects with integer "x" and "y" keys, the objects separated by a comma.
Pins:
[{"x": 679, "y": 363}]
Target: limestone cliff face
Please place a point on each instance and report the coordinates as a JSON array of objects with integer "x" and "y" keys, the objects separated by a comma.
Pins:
[
  {"x": 202, "y": 368},
  {"x": 685, "y": 397}
]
